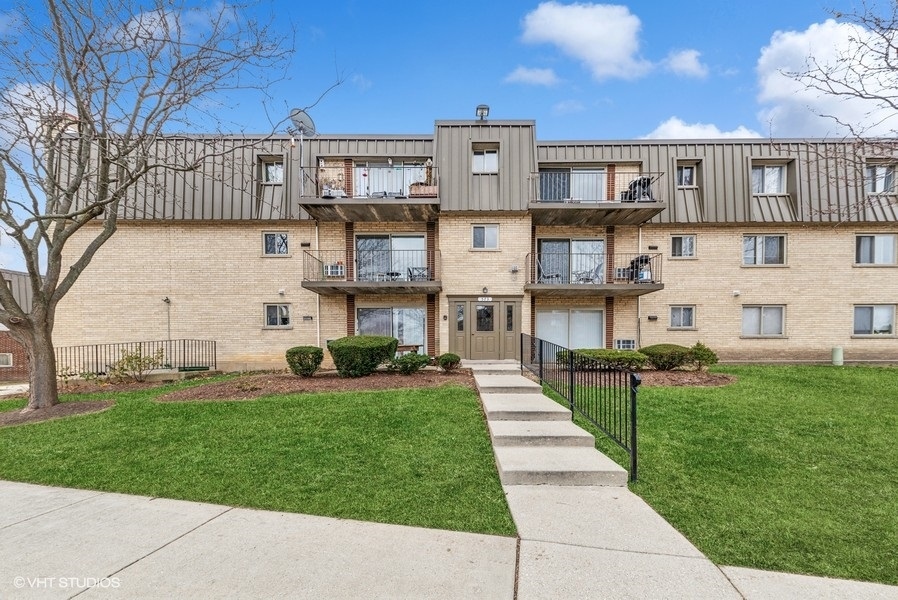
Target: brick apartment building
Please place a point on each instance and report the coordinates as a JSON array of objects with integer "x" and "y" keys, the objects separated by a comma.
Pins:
[
  {"x": 13, "y": 358},
  {"x": 461, "y": 240}
]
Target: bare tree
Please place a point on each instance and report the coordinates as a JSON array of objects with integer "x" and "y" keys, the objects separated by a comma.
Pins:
[
  {"x": 87, "y": 90},
  {"x": 862, "y": 75}
]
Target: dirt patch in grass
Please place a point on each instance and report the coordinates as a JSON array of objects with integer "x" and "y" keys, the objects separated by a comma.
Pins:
[
  {"x": 66, "y": 409},
  {"x": 685, "y": 378},
  {"x": 266, "y": 384}
]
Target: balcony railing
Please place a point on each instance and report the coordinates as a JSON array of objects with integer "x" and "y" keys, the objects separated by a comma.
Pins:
[
  {"x": 379, "y": 182},
  {"x": 565, "y": 268},
  {"x": 594, "y": 186},
  {"x": 371, "y": 265}
]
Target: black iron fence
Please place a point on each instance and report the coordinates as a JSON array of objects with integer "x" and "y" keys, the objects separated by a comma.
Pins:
[
  {"x": 99, "y": 359},
  {"x": 603, "y": 395}
]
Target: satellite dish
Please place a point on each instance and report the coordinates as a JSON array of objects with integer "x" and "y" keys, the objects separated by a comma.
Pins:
[{"x": 302, "y": 121}]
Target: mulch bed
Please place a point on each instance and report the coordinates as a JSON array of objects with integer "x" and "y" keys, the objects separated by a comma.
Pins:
[{"x": 248, "y": 387}]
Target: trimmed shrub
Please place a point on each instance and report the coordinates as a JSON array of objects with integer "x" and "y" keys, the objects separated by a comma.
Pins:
[
  {"x": 449, "y": 361},
  {"x": 627, "y": 360},
  {"x": 702, "y": 356},
  {"x": 409, "y": 363},
  {"x": 586, "y": 359},
  {"x": 305, "y": 360},
  {"x": 666, "y": 357},
  {"x": 360, "y": 355}
]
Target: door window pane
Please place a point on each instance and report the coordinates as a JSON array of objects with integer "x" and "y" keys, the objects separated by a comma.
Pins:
[
  {"x": 459, "y": 317},
  {"x": 485, "y": 317},
  {"x": 509, "y": 318}
]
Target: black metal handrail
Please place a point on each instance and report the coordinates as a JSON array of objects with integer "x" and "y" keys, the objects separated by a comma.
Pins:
[
  {"x": 565, "y": 268},
  {"x": 603, "y": 395},
  {"x": 98, "y": 359}
]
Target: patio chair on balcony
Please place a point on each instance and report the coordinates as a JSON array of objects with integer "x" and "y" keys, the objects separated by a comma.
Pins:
[
  {"x": 596, "y": 275},
  {"x": 418, "y": 274},
  {"x": 639, "y": 190}
]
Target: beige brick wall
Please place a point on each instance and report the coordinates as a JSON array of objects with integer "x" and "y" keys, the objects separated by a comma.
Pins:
[
  {"x": 466, "y": 271},
  {"x": 217, "y": 280},
  {"x": 819, "y": 286}
]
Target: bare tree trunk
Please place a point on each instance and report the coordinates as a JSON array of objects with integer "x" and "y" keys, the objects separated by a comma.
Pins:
[{"x": 43, "y": 389}]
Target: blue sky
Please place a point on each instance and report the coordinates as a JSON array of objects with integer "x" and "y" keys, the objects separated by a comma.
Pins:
[{"x": 581, "y": 71}]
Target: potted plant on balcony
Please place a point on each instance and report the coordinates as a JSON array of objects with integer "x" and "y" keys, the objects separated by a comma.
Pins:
[{"x": 422, "y": 188}]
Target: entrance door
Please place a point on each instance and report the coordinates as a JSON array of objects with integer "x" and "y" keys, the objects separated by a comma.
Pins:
[
  {"x": 484, "y": 333},
  {"x": 485, "y": 329}
]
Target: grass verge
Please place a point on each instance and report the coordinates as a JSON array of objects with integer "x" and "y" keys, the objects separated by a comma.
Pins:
[
  {"x": 790, "y": 469},
  {"x": 417, "y": 457}
]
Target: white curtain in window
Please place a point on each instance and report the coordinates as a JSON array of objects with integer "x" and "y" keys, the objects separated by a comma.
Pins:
[
  {"x": 586, "y": 329},
  {"x": 884, "y": 249},
  {"x": 552, "y": 326}
]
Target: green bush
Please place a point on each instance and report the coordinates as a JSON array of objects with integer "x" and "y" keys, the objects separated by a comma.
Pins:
[
  {"x": 305, "y": 360},
  {"x": 702, "y": 356},
  {"x": 627, "y": 360},
  {"x": 409, "y": 363},
  {"x": 360, "y": 355},
  {"x": 666, "y": 357},
  {"x": 587, "y": 359},
  {"x": 135, "y": 364},
  {"x": 449, "y": 361}
]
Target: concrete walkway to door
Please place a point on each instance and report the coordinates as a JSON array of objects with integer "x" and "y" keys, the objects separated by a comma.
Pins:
[{"x": 584, "y": 534}]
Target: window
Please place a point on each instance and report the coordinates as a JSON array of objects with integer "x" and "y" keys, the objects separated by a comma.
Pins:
[
  {"x": 682, "y": 246},
  {"x": 768, "y": 179},
  {"x": 272, "y": 170},
  {"x": 404, "y": 324},
  {"x": 571, "y": 328},
  {"x": 682, "y": 317},
  {"x": 391, "y": 257},
  {"x": 5, "y": 359},
  {"x": 625, "y": 344},
  {"x": 878, "y": 319},
  {"x": 879, "y": 179},
  {"x": 875, "y": 249},
  {"x": 685, "y": 175},
  {"x": 763, "y": 250},
  {"x": 583, "y": 184},
  {"x": 275, "y": 244},
  {"x": 571, "y": 261},
  {"x": 486, "y": 160},
  {"x": 277, "y": 315},
  {"x": 485, "y": 237},
  {"x": 762, "y": 321}
]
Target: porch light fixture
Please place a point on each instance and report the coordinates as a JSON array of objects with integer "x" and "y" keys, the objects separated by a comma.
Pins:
[
  {"x": 486, "y": 291},
  {"x": 483, "y": 111}
]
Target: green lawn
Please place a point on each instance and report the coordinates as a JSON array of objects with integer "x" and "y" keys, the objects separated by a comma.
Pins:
[
  {"x": 789, "y": 469},
  {"x": 415, "y": 457}
]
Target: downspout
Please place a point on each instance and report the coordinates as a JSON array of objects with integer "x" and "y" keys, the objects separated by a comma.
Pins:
[
  {"x": 317, "y": 296},
  {"x": 638, "y": 298}
]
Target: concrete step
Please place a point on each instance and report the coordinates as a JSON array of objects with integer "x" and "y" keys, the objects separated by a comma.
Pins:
[
  {"x": 507, "y": 384},
  {"x": 522, "y": 407},
  {"x": 557, "y": 466},
  {"x": 503, "y": 368},
  {"x": 539, "y": 433}
]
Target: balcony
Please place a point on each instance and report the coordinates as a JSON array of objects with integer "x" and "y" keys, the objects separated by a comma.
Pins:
[
  {"x": 590, "y": 197},
  {"x": 364, "y": 192},
  {"x": 572, "y": 275},
  {"x": 337, "y": 272}
]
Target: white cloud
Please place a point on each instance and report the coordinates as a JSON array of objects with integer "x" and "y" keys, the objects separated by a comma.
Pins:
[
  {"x": 568, "y": 107},
  {"x": 686, "y": 63},
  {"x": 532, "y": 76},
  {"x": 361, "y": 82},
  {"x": 604, "y": 37},
  {"x": 793, "y": 109},
  {"x": 676, "y": 129}
]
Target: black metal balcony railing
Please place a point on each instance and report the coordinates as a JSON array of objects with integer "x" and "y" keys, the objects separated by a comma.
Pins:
[
  {"x": 370, "y": 265},
  {"x": 564, "y": 268},
  {"x": 358, "y": 181},
  {"x": 593, "y": 186}
]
